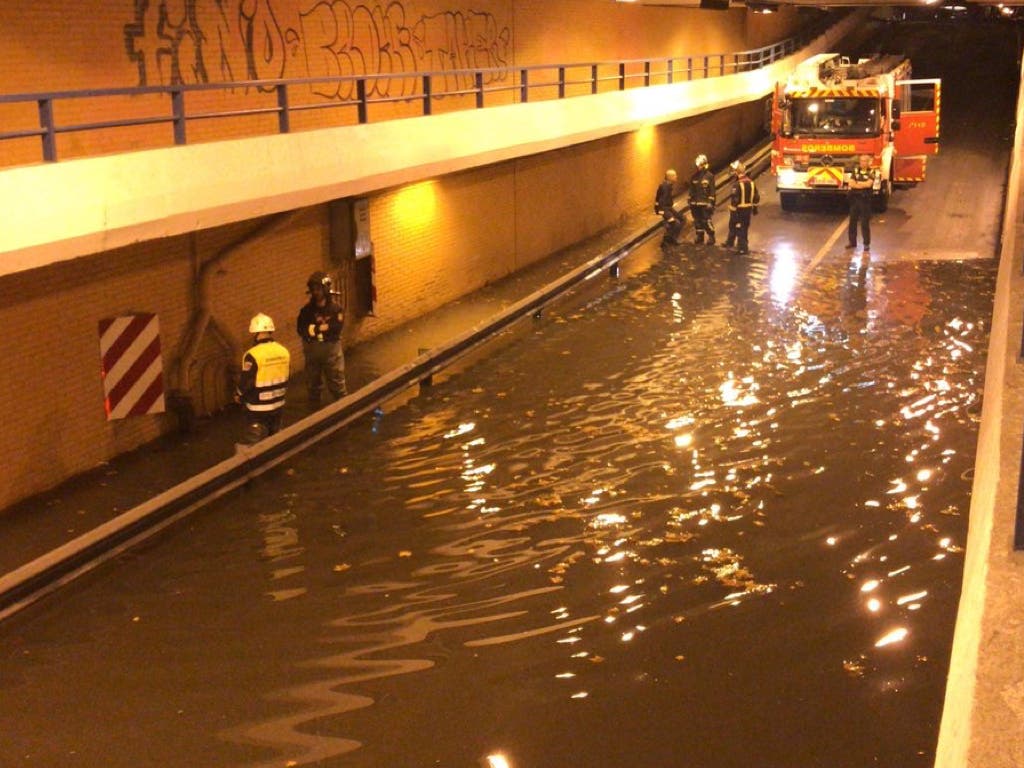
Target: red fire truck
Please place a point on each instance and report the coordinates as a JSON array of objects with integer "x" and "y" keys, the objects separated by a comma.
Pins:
[{"x": 831, "y": 110}]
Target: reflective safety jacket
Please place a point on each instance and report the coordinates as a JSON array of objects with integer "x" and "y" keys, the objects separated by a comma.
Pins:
[
  {"x": 862, "y": 175},
  {"x": 264, "y": 378},
  {"x": 702, "y": 188},
  {"x": 744, "y": 194}
]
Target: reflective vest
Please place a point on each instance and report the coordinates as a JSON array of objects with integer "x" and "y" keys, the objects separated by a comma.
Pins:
[
  {"x": 862, "y": 174},
  {"x": 744, "y": 194},
  {"x": 272, "y": 362}
]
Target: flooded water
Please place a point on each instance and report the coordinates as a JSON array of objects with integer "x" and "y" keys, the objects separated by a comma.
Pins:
[{"x": 708, "y": 515}]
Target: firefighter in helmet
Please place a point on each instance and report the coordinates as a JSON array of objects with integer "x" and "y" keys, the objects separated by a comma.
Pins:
[
  {"x": 263, "y": 381},
  {"x": 702, "y": 200},
  {"x": 743, "y": 202},
  {"x": 319, "y": 326},
  {"x": 663, "y": 206}
]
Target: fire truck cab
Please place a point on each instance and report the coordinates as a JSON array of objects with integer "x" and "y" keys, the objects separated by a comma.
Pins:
[{"x": 832, "y": 110}]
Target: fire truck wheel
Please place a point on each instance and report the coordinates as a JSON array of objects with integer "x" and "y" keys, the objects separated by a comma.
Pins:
[{"x": 787, "y": 200}]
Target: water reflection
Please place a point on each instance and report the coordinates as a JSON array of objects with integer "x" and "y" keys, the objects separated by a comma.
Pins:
[{"x": 601, "y": 507}]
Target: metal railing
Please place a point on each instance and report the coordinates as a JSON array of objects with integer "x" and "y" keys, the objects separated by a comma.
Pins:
[{"x": 427, "y": 89}]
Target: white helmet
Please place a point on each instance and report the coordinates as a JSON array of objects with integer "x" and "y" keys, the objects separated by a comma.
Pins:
[
  {"x": 701, "y": 160},
  {"x": 261, "y": 324},
  {"x": 737, "y": 166}
]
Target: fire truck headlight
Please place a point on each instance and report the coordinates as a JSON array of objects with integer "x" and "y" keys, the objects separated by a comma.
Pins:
[{"x": 787, "y": 177}]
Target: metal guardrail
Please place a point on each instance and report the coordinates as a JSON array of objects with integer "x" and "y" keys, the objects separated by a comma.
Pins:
[
  {"x": 47, "y": 573},
  {"x": 518, "y": 83}
]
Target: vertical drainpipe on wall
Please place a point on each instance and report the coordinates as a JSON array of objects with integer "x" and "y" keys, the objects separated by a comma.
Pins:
[{"x": 180, "y": 397}]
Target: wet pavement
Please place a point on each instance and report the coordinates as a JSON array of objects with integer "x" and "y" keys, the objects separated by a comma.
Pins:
[{"x": 711, "y": 513}]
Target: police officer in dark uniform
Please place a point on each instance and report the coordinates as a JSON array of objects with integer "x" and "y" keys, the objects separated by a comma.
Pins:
[
  {"x": 263, "y": 381},
  {"x": 663, "y": 206},
  {"x": 862, "y": 183},
  {"x": 702, "y": 200},
  {"x": 319, "y": 326},
  {"x": 743, "y": 202}
]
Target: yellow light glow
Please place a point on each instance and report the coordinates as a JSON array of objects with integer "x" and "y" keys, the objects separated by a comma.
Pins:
[
  {"x": 498, "y": 761},
  {"x": 643, "y": 139},
  {"x": 415, "y": 206}
]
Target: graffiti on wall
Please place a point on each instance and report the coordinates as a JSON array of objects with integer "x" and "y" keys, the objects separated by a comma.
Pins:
[{"x": 173, "y": 42}]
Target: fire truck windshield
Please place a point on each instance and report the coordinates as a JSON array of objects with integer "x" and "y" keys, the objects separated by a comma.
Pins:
[{"x": 832, "y": 117}]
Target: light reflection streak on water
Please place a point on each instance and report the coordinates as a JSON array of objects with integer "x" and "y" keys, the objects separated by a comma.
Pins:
[{"x": 664, "y": 473}]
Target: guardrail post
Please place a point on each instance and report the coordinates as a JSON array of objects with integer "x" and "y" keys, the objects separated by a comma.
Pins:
[
  {"x": 561, "y": 82},
  {"x": 524, "y": 86},
  {"x": 49, "y": 136},
  {"x": 721, "y": 63},
  {"x": 427, "y": 93},
  {"x": 361, "y": 100},
  {"x": 689, "y": 67},
  {"x": 178, "y": 112},
  {"x": 670, "y": 72},
  {"x": 283, "y": 121},
  {"x": 707, "y": 66},
  {"x": 622, "y": 76},
  {"x": 479, "y": 90},
  {"x": 593, "y": 78},
  {"x": 647, "y": 73}
]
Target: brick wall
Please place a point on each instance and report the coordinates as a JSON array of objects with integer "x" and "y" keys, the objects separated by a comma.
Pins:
[
  {"x": 434, "y": 241},
  {"x": 102, "y": 44}
]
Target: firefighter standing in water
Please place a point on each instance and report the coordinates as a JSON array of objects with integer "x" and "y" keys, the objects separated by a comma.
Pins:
[
  {"x": 862, "y": 184},
  {"x": 663, "y": 200},
  {"x": 702, "y": 200},
  {"x": 319, "y": 326},
  {"x": 263, "y": 381},
  {"x": 743, "y": 203}
]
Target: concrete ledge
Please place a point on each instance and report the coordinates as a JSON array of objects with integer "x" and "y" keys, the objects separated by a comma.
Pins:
[{"x": 69, "y": 209}]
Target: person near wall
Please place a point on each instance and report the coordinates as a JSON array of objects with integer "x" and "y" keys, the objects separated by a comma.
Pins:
[
  {"x": 263, "y": 381},
  {"x": 861, "y": 185},
  {"x": 702, "y": 200},
  {"x": 663, "y": 206},
  {"x": 319, "y": 326},
  {"x": 743, "y": 202}
]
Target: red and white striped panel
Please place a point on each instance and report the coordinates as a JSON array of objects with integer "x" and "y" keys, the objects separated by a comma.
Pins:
[{"x": 132, "y": 369}]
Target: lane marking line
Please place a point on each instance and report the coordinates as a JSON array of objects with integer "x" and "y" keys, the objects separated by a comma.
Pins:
[{"x": 826, "y": 247}]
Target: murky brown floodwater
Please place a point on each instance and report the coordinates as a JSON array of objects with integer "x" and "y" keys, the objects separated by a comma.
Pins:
[
  {"x": 712, "y": 515},
  {"x": 709, "y": 516}
]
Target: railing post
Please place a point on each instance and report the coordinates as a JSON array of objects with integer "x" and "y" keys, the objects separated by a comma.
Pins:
[
  {"x": 479, "y": 90},
  {"x": 670, "y": 72},
  {"x": 647, "y": 73},
  {"x": 707, "y": 67},
  {"x": 689, "y": 67},
  {"x": 593, "y": 78},
  {"x": 427, "y": 93},
  {"x": 49, "y": 136},
  {"x": 721, "y": 64},
  {"x": 178, "y": 112},
  {"x": 561, "y": 82},
  {"x": 622, "y": 75},
  {"x": 283, "y": 121},
  {"x": 524, "y": 86},
  {"x": 361, "y": 100}
]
